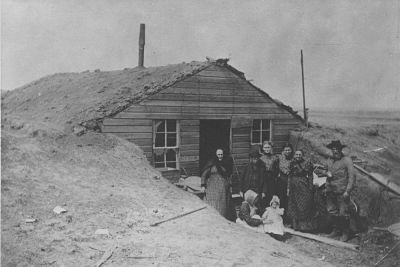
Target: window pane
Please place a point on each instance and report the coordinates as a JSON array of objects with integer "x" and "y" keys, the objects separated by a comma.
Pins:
[
  {"x": 171, "y": 155},
  {"x": 255, "y": 137},
  {"x": 160, "y": 140},
  {"x": 160, "y": 126},
  {"x": 171, "y": 164},
  {"x": 265, "y": 124},
  {"x": 256, "y": 124},
  {"x": 171, "y": 139},
  {"x": 265, "y": 136},
  {"x": 171, "y": 126},
  {"x": 159, "y": 157}
]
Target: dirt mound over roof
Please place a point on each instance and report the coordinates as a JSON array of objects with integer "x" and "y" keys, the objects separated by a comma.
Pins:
[
  {"x": 73, "y": 98},
  {"x": 69, "y": 99}
]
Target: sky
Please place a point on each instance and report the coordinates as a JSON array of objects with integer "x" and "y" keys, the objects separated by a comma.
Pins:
[{"x": 351, "y": 48}]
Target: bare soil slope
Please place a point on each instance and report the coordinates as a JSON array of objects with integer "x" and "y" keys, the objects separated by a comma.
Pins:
[{"x": 105, "y": 183}]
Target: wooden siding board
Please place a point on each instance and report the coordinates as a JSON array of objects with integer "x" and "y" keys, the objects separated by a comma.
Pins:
[
  {"x": 190, "y": 128},
  {"x": 190, "y": 146},
  {"x": 182, "y": 91},
  {"x": 203, "y": 86},
  {"x": 236, "y": 144},
  {"x": 190, "y": 134},
  {"x": 241, "y": 139},
  {"x": 134, "y": 136},
  {"x": 127, "y": 122},
  {"x": 197, "y": 115},
  {"x": 127, "y": 129},
  {"x": 190, "y": 123},
  {"x": 184, "y": 152},
  {"x": 265, "y": 106},
  {"x": 201, "y": 98},
  {"x": 238, "y": 151}
]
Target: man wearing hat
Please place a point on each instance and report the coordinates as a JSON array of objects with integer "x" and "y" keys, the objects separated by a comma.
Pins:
[
  {"x": 253, "y": 174},
  {"x": 340, "y": 182}
]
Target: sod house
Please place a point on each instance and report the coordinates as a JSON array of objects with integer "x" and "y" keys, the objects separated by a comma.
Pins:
[{"x": 180, "y": 123}]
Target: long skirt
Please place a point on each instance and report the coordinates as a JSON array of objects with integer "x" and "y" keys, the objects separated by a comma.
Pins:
[
  {"x": 259, "y": 229},
  {"x": 301, "y": 204},
  {"x": 281, "y": 192},
  {"x": 217, "y": 194}
]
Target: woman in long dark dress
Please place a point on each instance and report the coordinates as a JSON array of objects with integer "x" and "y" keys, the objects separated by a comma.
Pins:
[
  {"x": 271, "y": 172},
  {"x": 301, "y": 206},
  {"x": 282, "y": 180},
  {"x": 215, "y": 183}
]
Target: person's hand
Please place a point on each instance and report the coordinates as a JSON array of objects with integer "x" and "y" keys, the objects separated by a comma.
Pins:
[
  {"x": 263, "y": 195},
  {"x": 268, "y": 221},
  {"x": 203, "y": 189},
  {"x": 329, "y": 174},
  {"x": 241, "y": 193},
  {"x": 346, "y": 196}
]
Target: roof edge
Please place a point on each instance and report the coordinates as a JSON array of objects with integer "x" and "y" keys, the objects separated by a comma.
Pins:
[{"x": 277, "y": 102}]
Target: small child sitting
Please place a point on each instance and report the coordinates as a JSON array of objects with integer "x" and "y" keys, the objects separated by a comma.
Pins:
[{"x": 273, "y": 223}]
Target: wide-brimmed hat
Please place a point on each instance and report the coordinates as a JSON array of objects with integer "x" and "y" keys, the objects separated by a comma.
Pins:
[{"x": 335, "y": 144}]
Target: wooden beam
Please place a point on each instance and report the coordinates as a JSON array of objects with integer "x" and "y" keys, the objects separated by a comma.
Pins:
[
  {"x": 380, "y": 179},
  {"x": 322, "y": 239}
]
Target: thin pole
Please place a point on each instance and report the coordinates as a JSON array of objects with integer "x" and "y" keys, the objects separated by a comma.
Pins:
[
  {"x": 304, "y": 94},
  {"x": 178, "y": 216}
]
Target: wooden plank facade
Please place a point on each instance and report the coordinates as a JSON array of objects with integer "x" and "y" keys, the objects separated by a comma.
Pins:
[{"x": 215, "y": 93}]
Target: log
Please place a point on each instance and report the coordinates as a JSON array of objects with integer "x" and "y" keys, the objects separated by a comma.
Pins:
[
  {"x": 322, "y": 239},
  {"x": 376, "y": 264},
  {"x": 178, "y": 216},
  {"x": 106, "y": 255},
  {"x": 395, "y": 188}
]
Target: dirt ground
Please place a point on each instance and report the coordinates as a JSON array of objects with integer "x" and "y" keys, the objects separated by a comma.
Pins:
[{"x": 105, "y": 183}]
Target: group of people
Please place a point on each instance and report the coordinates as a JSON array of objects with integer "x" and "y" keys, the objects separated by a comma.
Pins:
[{"x": 279, "y": 189}]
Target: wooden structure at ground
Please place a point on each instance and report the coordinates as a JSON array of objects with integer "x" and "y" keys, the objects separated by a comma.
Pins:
[{"x": 181, "y": 126}]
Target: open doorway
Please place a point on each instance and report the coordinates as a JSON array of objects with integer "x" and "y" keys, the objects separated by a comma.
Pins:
[{"x": 214, "y": 134}]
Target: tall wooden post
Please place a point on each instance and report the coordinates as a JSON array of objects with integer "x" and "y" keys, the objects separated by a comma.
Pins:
[
  {"x": 304, "y": 95},
  {"x": 141, "y": 45}
]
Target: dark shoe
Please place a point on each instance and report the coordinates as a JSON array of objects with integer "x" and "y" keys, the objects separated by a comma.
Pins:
[
  {"x": 344, "y": 237},
  {"x": 294, "y": 224},
  {"x": 334, "y": 233}
]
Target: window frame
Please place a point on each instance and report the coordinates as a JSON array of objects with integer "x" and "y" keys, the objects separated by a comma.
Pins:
[
  {"x": 261, "y": 130},
  {"x": 166, "y": 147}
]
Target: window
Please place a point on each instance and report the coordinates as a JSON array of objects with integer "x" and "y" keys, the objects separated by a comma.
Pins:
[
  {"x": 261, "y": 131},
  {"x": 165, "y": 144}
]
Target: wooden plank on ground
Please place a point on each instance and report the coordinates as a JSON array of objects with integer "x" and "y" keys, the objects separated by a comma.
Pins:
[{"x": 322, "y": 239}]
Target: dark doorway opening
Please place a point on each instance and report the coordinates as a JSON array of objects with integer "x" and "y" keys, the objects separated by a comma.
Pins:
[{"x": 214, "y": 134}]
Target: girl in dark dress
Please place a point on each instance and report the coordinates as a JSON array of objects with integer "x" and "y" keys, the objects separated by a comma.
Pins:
[
  {"x": 282, "y": 180},
  {"x": 271, "y": 172}
]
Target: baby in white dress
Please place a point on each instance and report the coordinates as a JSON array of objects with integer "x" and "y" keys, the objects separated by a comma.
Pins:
[{"x": 273, "y": 223}]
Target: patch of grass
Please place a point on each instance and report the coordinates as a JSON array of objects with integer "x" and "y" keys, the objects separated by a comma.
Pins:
[{"x": 370, "y": 131}]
